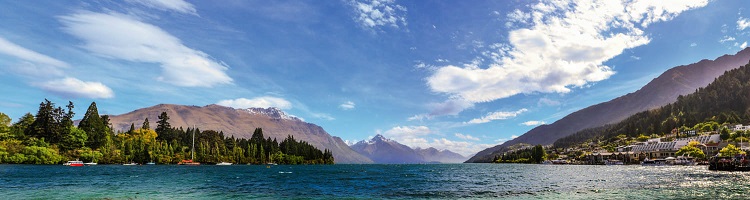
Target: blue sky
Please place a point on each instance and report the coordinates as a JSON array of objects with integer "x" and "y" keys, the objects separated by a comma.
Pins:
[{"x": 457, "y": 75}]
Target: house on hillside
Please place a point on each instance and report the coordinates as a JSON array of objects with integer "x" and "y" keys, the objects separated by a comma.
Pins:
[{"x": 739, "y": 127}]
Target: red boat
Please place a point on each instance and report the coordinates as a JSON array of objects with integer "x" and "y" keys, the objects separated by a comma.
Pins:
[
  {"x": 188, "y": 162},
  {"x": 74, "y": 163}
]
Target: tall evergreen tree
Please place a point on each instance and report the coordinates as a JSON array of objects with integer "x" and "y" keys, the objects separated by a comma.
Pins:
[
  {"x": 145, "y": 124},
  {"x": 163, "y": 128},
  {"x": 94, "y": 127},
  {"x": 48, "y": 123}
]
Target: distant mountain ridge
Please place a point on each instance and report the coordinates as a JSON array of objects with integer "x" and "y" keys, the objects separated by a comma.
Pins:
[
  {"x": 665, "y": 89},
  {"x": 386, "y": 151},
  {"x": 240, "y": 123}
]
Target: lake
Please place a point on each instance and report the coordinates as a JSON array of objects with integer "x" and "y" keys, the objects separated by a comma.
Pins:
[{"x": 438, "y": 181}]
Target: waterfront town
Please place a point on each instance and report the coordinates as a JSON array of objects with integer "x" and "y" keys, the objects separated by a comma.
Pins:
[{"x": 645, "y": 148}]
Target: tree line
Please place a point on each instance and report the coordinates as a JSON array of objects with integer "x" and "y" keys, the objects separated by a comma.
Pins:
[
  {"x": 725, "y": 101},
  {"x": 50, "y": 137}
]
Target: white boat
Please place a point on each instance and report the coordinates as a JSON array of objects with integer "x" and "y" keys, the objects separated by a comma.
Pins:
[
  {"x": 150, "y": 163},
  {"x": 130, "y": 164},
  {"x": 654, "y": 162},
  {"x": 682, "y": 160},
  {"x": 224, "y": 163},
  {"x": 75, "y": 163},
  {"x": 613, "y": 162},
  {"x": 89, "y": 163}
]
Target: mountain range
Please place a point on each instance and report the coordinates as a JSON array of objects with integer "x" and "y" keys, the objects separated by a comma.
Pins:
[
  {"x": 664, "y": 89},
  {"x": 385, "y": 151},
  {"x": 241, "y": 123}
]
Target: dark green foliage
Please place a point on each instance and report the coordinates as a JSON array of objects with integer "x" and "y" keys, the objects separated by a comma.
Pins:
[
  {"x": 94, "y": 126},
  {"x": 93, "y": 140},
  {"x": 726, "y": 100},
  {"x": 145, "y": 124},
  {"x": 163, "y": 128}
]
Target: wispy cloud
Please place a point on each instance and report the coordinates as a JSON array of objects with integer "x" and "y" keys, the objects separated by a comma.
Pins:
[
  {"x": 423, "y": 137},
  {"x": 119, "y": 36},
  {"x": 347, "y": 105},
  {"x": 168, "y": 5},
  {"x": 547, "y": 102},
  {"x": 533, "y": 123},
  {"x": 693, "y": 44},
  {"x": 258, "y": 102},
  {"x": 565, "y": 46},
  {"x": 743, "y": 23},
  {"x": 448, "y": 107},
  {"x": 500, "y": 115},
  {"x": 466, "y": 137},
  {"x": 12, "y": 49},
  {"x": 743, "y": 45},
  {"x": 726, "y": 39},
  {"x": 377, "y": 13},
  {"x": 46, "y": 73},
  {"x": 73, "y": 88}
]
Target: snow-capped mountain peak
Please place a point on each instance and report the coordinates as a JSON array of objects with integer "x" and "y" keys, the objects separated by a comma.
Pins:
[{"x": 273, "y": 113}]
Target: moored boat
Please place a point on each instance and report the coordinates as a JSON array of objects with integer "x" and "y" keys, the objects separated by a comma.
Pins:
[
  {"x": 74, "y": 163},
  {"x": 613, "y": 162},
  {"x": 224, "y": 163},
  {"x": 89, "y": 163},
  {"x": 188, "y": 162},
  {"x": 654, "y": 162},
  {"x": 130, "y": 164}
]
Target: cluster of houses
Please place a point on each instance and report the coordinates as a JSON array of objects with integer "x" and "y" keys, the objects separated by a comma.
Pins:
[{"x": 655, "y": 148}]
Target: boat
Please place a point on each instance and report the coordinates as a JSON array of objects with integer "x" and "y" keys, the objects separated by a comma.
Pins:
[
  {"x": 74, "y": 163},
  {"x": 685, "y": 161},
  {"x": 613, "y": 162},
  {"x": 224, "y": 163},
  {"x": 188, "y": 162},
  {"x": 559, "y": 162},
  {"x": 130, "y": 164},
  {"x": 89, "y": 163},
  {"x": 192, "y": 154},
  {"x": 151, "y": 163},
  {"x": 654, "y": 162}
]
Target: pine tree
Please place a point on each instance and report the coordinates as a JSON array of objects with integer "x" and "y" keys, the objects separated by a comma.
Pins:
[
  {"x": 94, "y": 127},
  {"x": 145, "y": 124}
]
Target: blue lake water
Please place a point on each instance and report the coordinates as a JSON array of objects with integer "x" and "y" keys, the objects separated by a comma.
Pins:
[{"x": 440, "y": 181}]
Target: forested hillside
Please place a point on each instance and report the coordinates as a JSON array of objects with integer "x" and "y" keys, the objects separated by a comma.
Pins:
[
  {"x": 50, "y": 137},
  {"x": 725, "y": 100}
]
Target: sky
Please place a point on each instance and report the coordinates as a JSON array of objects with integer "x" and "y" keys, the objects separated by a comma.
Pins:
[{"x": 456, "y": 75}]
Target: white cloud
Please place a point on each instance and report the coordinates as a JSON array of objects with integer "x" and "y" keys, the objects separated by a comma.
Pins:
[
  {"x": 513, "y": 136},
  {"x": 548, "y": 102},
  {"x": 726, "y": 39},
  {"x": 419, "y": 136},
  {"x": 496, "y": 116},
  {"x": 12, "y": 49},
  {"x": 743, "y": 23},
  {"x": 693, "y": 44},
  {"x": 258, "y": 102},
  {"x": 72, "y": 87},
  {"x": 119, "y": 36},
  {"x": 409, "y": 135},
  {"x": 517, "y": 17},
  {"x": 376, "y": 13},
  {"x": 466, "y": 137},
  {"x": 449, "y": 107},
  {"x": 743, "y": 45},
  {"x": 323, "y": 116},
  {"x": 565, "y": 45},
  {"x": 347, "y": 105},
  {"x": 166, "y": 5},
  {"x": 46, "y": 73},
  {"x": 533, "y": 123}
]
